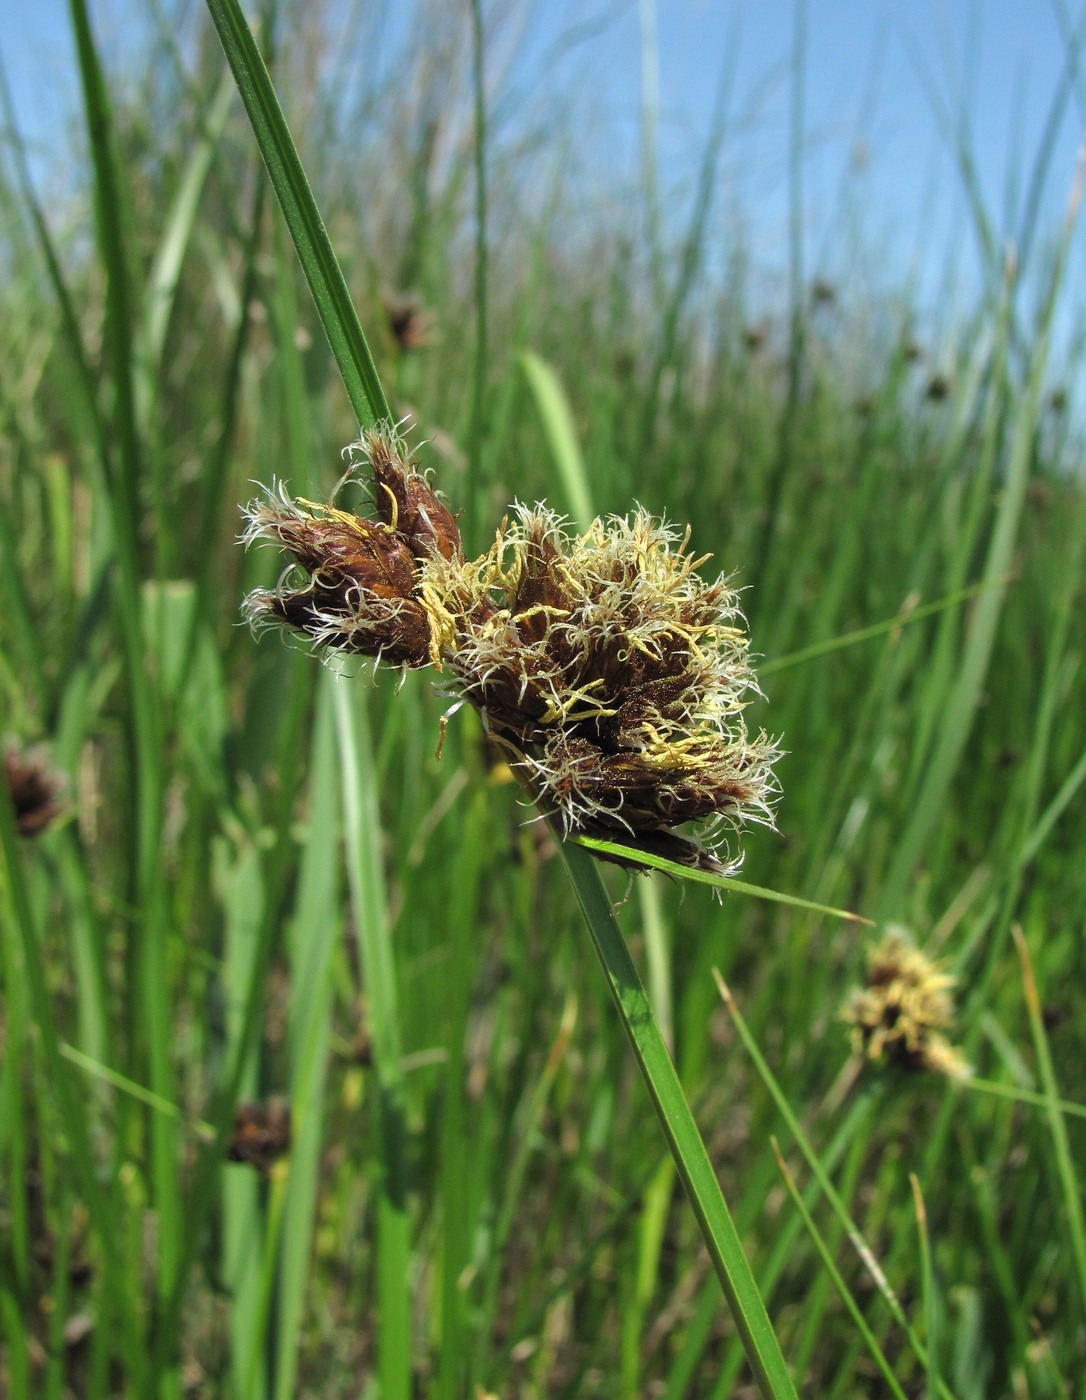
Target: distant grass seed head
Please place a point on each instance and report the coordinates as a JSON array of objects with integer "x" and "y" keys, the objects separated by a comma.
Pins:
[
  {"x": 610, "y": 673},
  {"x": 262, "y": 1134},
  {"x": 900, "y": 1014},
  {"x": 33, "y": 789}
]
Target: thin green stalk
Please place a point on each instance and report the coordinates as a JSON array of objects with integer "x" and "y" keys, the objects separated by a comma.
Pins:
[
  {"x": 928, "y": 1294},
  {"x": 1055, "y": 809},
  {"x": 526, "y": 1120},
  {"x": 1011, "y": 1091},
  {"x": 478, "y": 401},
  {"x": 811, "y": 1157},
  {"x": 962, "y": 703},
  {"x": 785, "y": 458},
  {"x": 817, "y": 1298},
  {"x": 313, "y": 938},
  {"x": 630, "y": 855},
  {"x": 242, "y": 1217},
  {"x": 72, "y": 338},
  {"x": 1066, "y": 594},
  {"x": 691, "y": 1159},
  {"x": 99, "y": 1202},
  {"x": 561, "y": 432},
  {"x": 970, "y": 507},
  {"x": 307, "y": 231},
  {"x": 850, "y": 1137},
  {"x": 693, "y": 246},
  {"x": 650, "y": 123},
  {"x": 202, "y": 1194},
  {"x": 16, "y": 1149},
  {"x": 164, "y": 275},
  {"x": 215, "y": 472},
  {"x": 457, "y": 1215},
  {"x": 13, "y": 1320},
  {"x": 843, "y": 1290},
  {"x": 120, "y": 1081},
  {"x": 362, "y": 828},
  {"x": 651, "y": 1234},
  {"x": 875, "y": 629},
  {"x": 1070, "y": 1186},
  {"x": 148, "y": 959}
]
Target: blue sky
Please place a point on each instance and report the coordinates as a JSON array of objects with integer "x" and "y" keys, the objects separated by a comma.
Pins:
[
  {"x": 875, "y": 150},
  {"x": 873, "y": 72}
]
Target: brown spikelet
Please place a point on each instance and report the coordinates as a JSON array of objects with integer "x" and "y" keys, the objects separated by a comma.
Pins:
[{"x": 358, "y": 590}]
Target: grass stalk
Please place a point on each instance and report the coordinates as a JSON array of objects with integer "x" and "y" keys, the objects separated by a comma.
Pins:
[
  {"x": 315, "y": 931},
  {"x": 478, "y": 426},
  {"x": 963, "y": 700},
  {"x": 687, "y": 1148},
  {"x": 1069, "y": 1183},
  {"x": 842, "y": 1288},
  {"x": 928, "y": 1291},
  {"x": 148, "y": 956},
  {"x": 307, "y": 231},
  {"x": 811, "y": 1157},
  {"x": 364, "y": 868},
  {"x": 100, "y": 1203}
]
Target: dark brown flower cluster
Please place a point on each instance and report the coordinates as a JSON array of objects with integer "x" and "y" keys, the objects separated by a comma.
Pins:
[
  {"x": 358, "y": 586},
  {"x": 900, "y": 1014},
  {"x": 611, "y": 674},
  {"x": 261, "y": 1134},
  {"x": 34, "y": 790}
]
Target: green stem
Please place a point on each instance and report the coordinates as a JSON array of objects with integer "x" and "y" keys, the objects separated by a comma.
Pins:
[
  {"x": 478, "y": 403},
  {"x": 307, "y": 231},
  {"x": 687, "y": 1148}
]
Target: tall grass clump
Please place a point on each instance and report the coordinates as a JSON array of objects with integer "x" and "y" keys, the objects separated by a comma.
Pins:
[{"x": 309, "y": 1083}]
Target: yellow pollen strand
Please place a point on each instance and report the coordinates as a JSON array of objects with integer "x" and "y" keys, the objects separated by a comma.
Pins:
[{"x": 395, "y": 505}]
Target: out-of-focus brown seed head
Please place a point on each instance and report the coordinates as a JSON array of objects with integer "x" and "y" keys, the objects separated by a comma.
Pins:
[
  {"x": 411, "y": 323},
  {"x": 900, "y": 1014},
  {"x": 33, "y": 788},
  {"x": 938, "y": 387},
  {"x": 262, "y": 1132}
]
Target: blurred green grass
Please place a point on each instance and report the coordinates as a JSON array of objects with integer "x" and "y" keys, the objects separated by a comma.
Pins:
[{"x": 198, "y": 924}]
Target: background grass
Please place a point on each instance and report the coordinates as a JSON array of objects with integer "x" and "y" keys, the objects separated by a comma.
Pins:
[{"x": 476, "y": 1194}]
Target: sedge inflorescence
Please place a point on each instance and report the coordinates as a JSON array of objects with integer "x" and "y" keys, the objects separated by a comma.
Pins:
[
  {"x": 611, "y": 674},
  {"x": 901, "y": 1013},
  {"x": 33, "y": 789},
  {"x": 355, "y": 584}
]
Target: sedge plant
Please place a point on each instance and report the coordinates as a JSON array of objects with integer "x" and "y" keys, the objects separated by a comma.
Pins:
[{"x": 611, "y": 675}]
